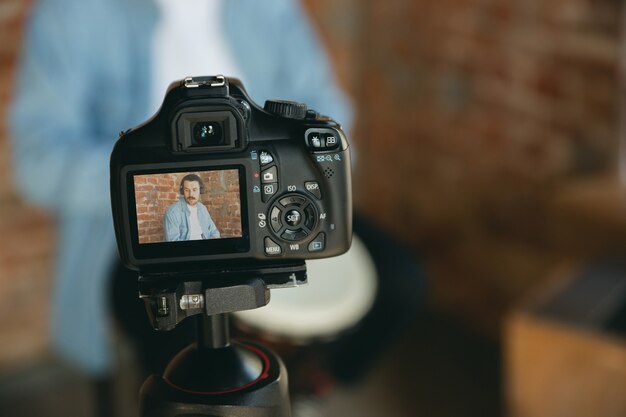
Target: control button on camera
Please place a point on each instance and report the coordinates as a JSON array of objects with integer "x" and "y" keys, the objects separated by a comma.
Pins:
[
  {"x": 330, "y": 140},
  {"x": 275, "y": 219},
  {"x": 294, "y": 234},
  {"x": 269, "y": 175},
  {"x": 310, "y": 217},
  {"x": 318, "y": 243},
  {"x": 292, "y": 200},
  {"x": 288, "y": 235},
  {"x": 269, "y": 190},
  {"x": 293, "y": 218},
  {"x": 272, "y": 248},
  {"x": 301, "y": 234},
  {"x": 314, "y": 188},
  {"x": 315, "y": 140},
  {"x": 265, "y": 158},
  {"x": 286, "y": 108}
]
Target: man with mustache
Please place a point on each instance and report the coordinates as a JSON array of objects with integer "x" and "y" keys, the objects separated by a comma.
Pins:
[{"x": 188, "y": 218}]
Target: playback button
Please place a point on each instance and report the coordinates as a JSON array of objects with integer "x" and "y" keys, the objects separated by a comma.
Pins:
[
  {"x": 272, "y": 248},
  {"x": 318, "y": 243}
]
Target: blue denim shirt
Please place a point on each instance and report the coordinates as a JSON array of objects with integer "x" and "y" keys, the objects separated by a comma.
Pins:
[
  {"x": 85, "y": 76},
  {"x": 176, "y": 222}
]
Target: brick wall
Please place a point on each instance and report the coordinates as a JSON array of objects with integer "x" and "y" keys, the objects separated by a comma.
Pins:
[
  {"x": 26, "y": 234},
  {"x": 155, "y": 193},
  {"x": 486, "y": 136}
]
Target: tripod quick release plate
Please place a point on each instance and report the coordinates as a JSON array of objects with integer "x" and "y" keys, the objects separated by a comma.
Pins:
[{"x": 171, "y": 298}]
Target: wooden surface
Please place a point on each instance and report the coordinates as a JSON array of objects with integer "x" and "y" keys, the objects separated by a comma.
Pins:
[{"x": 559, "y": 367}]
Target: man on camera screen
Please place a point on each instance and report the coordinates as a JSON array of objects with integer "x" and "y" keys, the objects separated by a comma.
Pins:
[{"x": 188, "y": 218}]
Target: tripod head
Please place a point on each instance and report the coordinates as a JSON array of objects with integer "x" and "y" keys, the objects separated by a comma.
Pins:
[
  {"x": 169, "y": 298},
  {"x": 216, "y": 376}
]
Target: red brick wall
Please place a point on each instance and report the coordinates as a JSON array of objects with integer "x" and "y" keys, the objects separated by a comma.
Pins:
[
  {"x": 26, "y": 234},
  {"x": 155, "y": 193},
  {"x": 486, "y": 136}
]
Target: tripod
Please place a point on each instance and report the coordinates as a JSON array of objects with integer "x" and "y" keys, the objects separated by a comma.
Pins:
[{"x": 216, "y": 376}]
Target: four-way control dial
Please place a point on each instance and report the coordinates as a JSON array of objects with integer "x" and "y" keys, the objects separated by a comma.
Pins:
[{"x": 293, "y": 217}]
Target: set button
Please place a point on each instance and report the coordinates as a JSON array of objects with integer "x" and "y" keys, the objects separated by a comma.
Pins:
[{"x": 293, "y": 218}]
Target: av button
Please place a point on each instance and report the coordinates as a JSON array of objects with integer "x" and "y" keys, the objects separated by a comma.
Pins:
[
  {"x": 318, "y": 243},
  {"x": 272, "y": 248}
]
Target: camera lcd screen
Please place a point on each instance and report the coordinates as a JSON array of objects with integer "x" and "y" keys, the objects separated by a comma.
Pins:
[{"x": 188, "y": 206}]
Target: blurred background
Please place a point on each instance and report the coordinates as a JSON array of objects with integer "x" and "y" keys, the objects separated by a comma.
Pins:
[{"x": 487, "y": 134}]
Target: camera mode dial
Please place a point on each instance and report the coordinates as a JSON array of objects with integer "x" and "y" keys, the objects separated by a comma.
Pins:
[{"x": 290, "y": 109}]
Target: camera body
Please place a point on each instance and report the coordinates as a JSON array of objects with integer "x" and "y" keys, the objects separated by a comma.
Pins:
[{"x": 213, "y": 178}]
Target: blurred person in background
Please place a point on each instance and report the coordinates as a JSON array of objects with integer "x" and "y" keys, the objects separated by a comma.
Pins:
[{"x": 91, "y": 68}]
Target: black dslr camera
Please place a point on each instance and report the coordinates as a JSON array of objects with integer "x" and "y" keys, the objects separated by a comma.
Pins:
[
  {"x": 215, "y": 201},
  {"x": 263, "y": 185}
]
